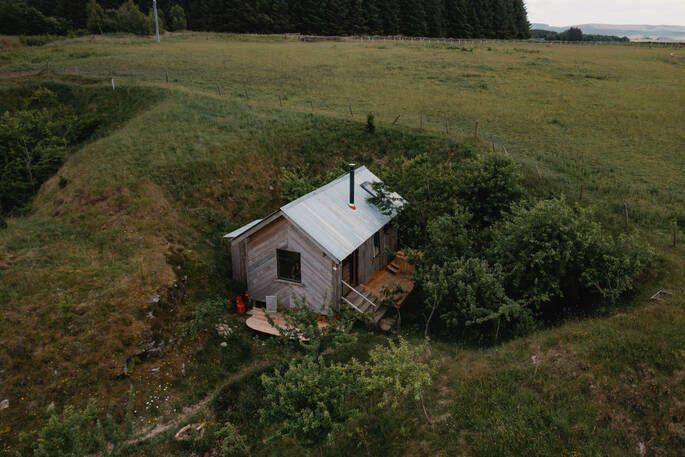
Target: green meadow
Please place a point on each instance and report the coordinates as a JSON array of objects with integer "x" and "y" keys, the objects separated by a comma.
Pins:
[{"x": 200, "y": 128}]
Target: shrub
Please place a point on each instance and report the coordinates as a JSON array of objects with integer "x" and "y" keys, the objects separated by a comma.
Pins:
[
  {"x": 488, "y": 187},
  {"x": 309, "y": 400},
  {"x": 555, "y": 256},
  {"x": 32, "y": 147},
  {"x": 468, "y": 294},
  {"x": 395, "y": 372},
  {"x": 312, "y": 400},
  {"x": 449, "y": 237},
  {"x": 177, "y": 19},
  {"x": 74, "y": 433},
  {"x": 231, "y": 443},
  {"x": 96, "y": 18},
  {"x": 18, "y": 18},
  {"x": 298, "y": 181},
  {"x": 131, "y": 19},
  {"x": 429, "y": 190},
  {"x": 370, "y": 123}
]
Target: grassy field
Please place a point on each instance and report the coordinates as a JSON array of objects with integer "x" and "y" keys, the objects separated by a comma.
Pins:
[{"x": 148, "y": 199}]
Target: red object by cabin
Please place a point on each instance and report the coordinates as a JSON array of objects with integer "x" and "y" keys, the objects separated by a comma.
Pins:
[{"x": 239, "y": 305}]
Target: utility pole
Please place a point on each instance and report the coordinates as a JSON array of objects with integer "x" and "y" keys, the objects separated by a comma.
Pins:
[{"x": 154, "y": 7}]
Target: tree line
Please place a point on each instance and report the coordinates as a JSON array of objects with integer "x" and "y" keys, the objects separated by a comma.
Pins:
[
  {"x": 574, "y": 34},
  {"x": 437, "y": 18}
]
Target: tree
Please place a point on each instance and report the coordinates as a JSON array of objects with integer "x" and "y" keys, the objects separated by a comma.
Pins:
[
  {"x": 473, "y": 298},
  {"x": 396, "y": 372},
  {"x": 521, "y": 20},
  {"x": 310, "y": 400},
  {"x": 131, "y": 19},
  {"x": 572, "y": 34},
  {"x": 435, "y": 20},
  {"x": 33, "y": 145},
  {"x": 95, "y": 17},
  {"x": 456, "y": 20},
  {"x": 70, "y": 434},
  {"x": 412, "y": 18},
  {"x": 18, "y": 18},
  {"x": 556, "y": 257},
  {"x": 177, "y": 19},
  {"x": 488, "y": 187},
  {"x": 232, "y": 443},
  {"x": 449, "y": 237}
]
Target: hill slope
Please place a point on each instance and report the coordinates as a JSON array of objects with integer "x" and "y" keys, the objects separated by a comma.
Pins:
[{"x": 145, "y": 206}]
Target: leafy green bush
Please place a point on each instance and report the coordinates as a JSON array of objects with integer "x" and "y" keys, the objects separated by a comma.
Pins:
[
  {"x": 33, "y": 144},
  {"x": 309, "y": 400},
  {"x": 75, "y": 433},
  {"x": 449, "y": 237},
  {"x": 97, "y": 20},
  {"x": 556, "y": 256},
  {"x": 177, "y": 19},
  {"x": 130, "y": 19},
  {"x": 231, "y": 443},
  {"x": 312, "y": 400},
  {"x": 18, "y": 18},
  {"x": 370, "y": 123},
  {"x": 488, "y": 186},
  {"x": 430, "y": 192},
  {"x": 394, "y": 373},
  {"x": 298, "y": 181},
  {"x": 468, "y": 295}
]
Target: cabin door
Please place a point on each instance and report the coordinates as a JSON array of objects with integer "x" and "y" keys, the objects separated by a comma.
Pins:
[{"x": 349, "y": 269}]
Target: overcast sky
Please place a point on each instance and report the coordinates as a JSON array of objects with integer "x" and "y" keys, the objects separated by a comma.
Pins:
[{"x": 574, "y": 12}]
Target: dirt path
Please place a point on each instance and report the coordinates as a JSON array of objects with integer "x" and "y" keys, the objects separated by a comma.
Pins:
[{"x": 189, "y": 411}]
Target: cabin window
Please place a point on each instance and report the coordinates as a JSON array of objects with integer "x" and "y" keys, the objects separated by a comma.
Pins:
[
  {"x": 288, "y": 265},
  {"x": 376, "y": 244}
]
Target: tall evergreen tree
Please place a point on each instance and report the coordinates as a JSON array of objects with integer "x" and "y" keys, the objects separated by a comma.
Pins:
[
  {"x": 354, "y": 21},
  {"x": 391, "y": 17},
  {"x": 372, "y": 17},
  {"x": 435, "y": 12},
  {"x": 521, "y": 20},
  {"x": 453, "y": 18},
  {"x": 456, "y": 20},
  {"x": 412, "y": 17}
]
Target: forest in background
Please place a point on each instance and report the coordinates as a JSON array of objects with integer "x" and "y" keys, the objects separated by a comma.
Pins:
[{"x": 439, "y": 18}]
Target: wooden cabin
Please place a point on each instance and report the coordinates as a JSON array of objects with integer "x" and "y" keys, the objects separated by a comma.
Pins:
[{"x": 329, "y": 248}]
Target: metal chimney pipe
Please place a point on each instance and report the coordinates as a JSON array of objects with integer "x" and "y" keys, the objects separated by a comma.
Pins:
[{"x": 351, "y": 202}]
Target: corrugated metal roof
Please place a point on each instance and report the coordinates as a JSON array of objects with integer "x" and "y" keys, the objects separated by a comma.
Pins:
[
  {"x": 325, "y": 216},
  {"x": 237, "y": 232}
]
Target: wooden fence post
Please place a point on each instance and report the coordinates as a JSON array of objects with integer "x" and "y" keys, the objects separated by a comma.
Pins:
[
  {"x": 475, "y": 132},
  {"x": 675, "y": 233}
]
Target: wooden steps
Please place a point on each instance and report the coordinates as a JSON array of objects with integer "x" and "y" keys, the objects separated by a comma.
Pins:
[{"x": 393, "y": 268}]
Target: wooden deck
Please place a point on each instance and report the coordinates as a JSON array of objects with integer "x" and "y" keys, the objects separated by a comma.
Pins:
[
  {"x": 387, "y": 288},
  {"x": 258, "y": 321},
  {"x": 392, "y": 285}
]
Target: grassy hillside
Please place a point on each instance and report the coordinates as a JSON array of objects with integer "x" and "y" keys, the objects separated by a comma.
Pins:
[{"x": 147, "y": 201}]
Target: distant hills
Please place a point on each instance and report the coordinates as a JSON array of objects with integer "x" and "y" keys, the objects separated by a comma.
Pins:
[{"x": 634, "y": 32}]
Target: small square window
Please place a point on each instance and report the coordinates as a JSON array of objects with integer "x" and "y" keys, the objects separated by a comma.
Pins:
[{"x": 288, "y": 265}]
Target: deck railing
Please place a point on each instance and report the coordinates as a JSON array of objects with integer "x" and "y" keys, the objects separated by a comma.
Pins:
[{"x": 364, "y": 297}]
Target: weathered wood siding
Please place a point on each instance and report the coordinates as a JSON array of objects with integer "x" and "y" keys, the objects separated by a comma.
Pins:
[
  {"x": 367, "y": 263},
  {"x": 238, "y": 261},
  {"x": 260, "y": 264}
]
